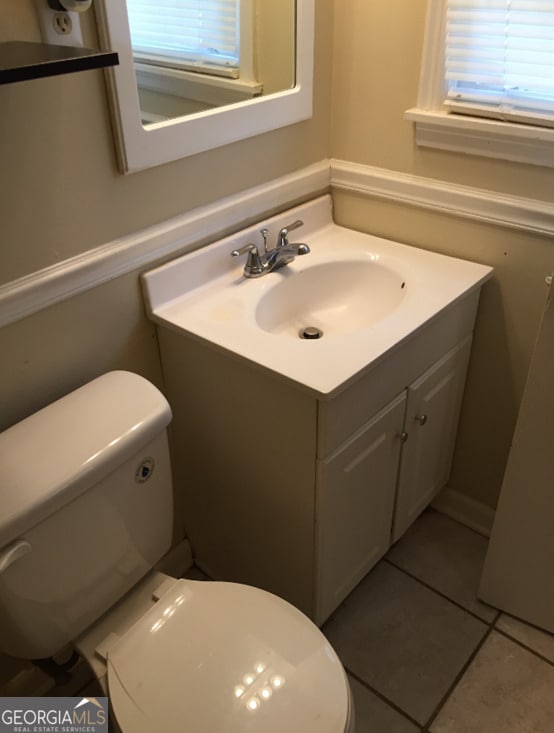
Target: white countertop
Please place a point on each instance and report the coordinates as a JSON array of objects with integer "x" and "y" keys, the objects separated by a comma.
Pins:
[{"x": 205, "y": 295}]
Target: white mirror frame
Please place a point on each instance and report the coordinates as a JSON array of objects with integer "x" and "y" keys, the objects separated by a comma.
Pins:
[{"x": 162, "y": 142}]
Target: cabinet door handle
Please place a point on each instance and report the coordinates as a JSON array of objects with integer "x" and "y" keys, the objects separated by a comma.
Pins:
[
  {"x": 403, "y": 436},
  {"x": 421, "y": 419}
]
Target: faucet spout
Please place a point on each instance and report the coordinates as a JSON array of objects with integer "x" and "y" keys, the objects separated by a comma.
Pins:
[{"x": 284, "y": 254}]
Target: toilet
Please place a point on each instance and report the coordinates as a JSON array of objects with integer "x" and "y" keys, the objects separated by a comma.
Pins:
[{"x": 86, "y": 516}]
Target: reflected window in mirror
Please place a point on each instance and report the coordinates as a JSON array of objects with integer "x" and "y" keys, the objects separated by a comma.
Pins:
[
  {"x": 167, "y": 105},
  {"x": 196, "y": 55}
]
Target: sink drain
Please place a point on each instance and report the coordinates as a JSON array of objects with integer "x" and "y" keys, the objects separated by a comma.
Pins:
[{"x": 310, "y": 333}]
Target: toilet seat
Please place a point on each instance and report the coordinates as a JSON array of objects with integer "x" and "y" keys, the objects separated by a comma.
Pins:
[{"x": 225, "y": 657}]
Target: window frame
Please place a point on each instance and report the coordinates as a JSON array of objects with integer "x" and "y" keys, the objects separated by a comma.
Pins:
[{"x": 437, "y": 128}]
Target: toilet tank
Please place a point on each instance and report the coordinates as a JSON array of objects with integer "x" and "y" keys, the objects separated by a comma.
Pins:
[{"x": 85, "y": 509}]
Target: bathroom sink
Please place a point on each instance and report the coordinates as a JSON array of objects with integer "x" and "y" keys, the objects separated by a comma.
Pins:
[
  {"x": 319, "y": 321},
  {"x": 330, "y": 298}
]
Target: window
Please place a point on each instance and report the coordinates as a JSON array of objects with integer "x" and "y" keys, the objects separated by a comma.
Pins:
[
  {"x": 199, "y": 35},
  {"x": 499, "y": 59},
  {"x": 487, "y": 81},
  {"x": 191, "y": 55}
]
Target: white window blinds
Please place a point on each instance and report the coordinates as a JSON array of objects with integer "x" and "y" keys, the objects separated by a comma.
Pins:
[
  {"x": 499, "y": 59},
  {"x": 199, "y": 34}
]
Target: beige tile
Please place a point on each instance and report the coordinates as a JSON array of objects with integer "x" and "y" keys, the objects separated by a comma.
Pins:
[
  {"x": 540, "y": 641},
  {"x": 447, "y": 556},
  {"x": 506, "y": 689},
  {"x": 375, "y": 716},
  {"x": 403, "y": 640}
]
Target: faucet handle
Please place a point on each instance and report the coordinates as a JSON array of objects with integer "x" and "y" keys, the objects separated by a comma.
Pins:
[
  {"x": 249, "y": 249},
  {"x": 254, "y": 265},
  {"x": 284, "y": 233}
]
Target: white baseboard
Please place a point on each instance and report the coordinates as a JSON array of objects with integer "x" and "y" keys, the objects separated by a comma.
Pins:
[{"x": 465, "y": 510}]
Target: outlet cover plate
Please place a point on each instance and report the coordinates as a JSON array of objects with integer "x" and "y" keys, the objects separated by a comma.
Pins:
[{"x": 49, "y": 35}]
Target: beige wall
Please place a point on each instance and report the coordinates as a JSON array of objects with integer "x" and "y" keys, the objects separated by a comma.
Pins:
[
  {"x": 376, "y": 60},
  {"x": 61, "y": 191},
  {"x": 275, "y": 44},
  {"x": 61, "y": 194}
]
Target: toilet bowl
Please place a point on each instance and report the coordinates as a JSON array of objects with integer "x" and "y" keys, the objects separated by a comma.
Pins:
[
  {"x": 88, "y": 514},
  {"x": 223, "y": 657}
]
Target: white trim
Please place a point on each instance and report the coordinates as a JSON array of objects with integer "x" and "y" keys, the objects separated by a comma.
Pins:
[
  {"x": 479, "y": 136},
  {"x": 57, "y": 283},
  {"x": 514, "y": 212},
  {"x": 142, "y": 249},
  {"x": 464, "y": 509},
  {"x": 432, "y": 85},
  {"x": 141, "y": 147},
  {"x": 436, "y": 128},
  {"x": 216, "y": 90}
]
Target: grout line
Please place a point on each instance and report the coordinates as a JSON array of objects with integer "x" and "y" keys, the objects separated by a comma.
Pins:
[
  {"x": 457, "y": 679},
  {"x": 382, "y": 697},
  {"x": 491, "y": 624},
  {"x": 534, "y": 652},
  {"x": 443, "y": 595}
]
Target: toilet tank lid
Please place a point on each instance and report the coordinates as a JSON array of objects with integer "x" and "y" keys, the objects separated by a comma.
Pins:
[{"x": 51, "y": 457}]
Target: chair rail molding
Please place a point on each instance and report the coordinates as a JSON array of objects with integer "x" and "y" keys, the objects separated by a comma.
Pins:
[
  {"x": 142, "y": 249},
  {"x": 514, "y": 212},
  {"x": 193, "y": 229}
]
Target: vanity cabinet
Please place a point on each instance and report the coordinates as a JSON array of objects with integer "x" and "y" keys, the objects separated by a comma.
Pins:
[
  {"x": 375, "y": 485},
  {"x": 355, "y": 492},
  {"x": 300, "y": 493},
  {"x": 432, "y": 411}
]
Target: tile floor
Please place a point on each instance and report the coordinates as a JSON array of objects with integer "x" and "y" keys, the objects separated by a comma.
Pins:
[{"x": 424, "y": 655}]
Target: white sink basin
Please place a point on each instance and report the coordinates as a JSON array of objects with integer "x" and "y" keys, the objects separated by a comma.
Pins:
[
  {"x": 332, "y": 297},
  {"x": 365, "y": 294}
]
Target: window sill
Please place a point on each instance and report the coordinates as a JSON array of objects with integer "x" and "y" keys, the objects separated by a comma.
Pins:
[
  {"x": 211, "y": 90},
  {"x": 490, "y": 138}
]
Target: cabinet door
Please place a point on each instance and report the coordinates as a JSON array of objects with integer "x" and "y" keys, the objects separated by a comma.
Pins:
[
  {"x": 354, "y": 504},
  {"x": 432, "y": 413}
]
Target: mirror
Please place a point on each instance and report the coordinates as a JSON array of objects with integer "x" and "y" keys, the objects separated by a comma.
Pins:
[{"x": 164, "y": 110}]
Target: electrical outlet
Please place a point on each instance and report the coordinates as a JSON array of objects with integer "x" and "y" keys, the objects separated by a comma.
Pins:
[
  {"x": 58, "y": 27},
  {"x": 63, "y": 25}
]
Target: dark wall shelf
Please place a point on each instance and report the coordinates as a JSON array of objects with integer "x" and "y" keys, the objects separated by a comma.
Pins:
[{"x": 24, "y": 60}]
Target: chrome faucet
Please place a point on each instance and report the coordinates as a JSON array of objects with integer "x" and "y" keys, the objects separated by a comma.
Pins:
[{"x": 258, "y": 264}]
